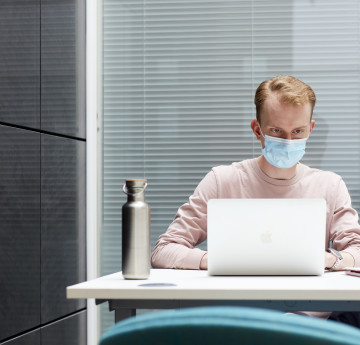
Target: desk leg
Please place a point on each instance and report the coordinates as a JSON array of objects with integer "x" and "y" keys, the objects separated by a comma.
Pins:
[
  {"x": 124, "y": 313},
  {"x": 121, "y": 313}
]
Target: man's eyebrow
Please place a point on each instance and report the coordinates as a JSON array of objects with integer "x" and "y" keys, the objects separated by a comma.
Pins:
[
  {"x": 278, "y": 127},
  {"x": 274, "y": 126},
  {"x": 301, "y": 127}
]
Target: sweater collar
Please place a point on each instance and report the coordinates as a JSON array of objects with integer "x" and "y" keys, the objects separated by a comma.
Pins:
[{"x": 268, "y": 179}]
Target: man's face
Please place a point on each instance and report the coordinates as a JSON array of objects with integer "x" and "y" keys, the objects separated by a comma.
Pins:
[{"x": 284, "y": 121}]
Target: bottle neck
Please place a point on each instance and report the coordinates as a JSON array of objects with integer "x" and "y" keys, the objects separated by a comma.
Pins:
[{"x": 135, "y": 195}]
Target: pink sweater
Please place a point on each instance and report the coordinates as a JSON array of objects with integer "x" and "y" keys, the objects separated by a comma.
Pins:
[{"x": 176, "y": 248}]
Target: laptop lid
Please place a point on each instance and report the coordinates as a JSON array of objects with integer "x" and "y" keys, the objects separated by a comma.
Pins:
[{"x": 266, "y": 236}]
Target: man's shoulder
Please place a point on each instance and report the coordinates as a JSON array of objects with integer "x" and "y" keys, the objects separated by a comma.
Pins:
[
  {"x": 320, "y": 174},
  {"x": 231, "y": 179},
  {"x": 234, "y": 168}
]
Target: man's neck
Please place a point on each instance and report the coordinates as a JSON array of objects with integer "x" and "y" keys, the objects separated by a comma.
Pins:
[{"x": 274, "y": 172}]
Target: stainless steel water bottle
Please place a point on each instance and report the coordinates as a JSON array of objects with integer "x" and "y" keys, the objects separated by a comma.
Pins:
[{"x": 135, "y": 231}]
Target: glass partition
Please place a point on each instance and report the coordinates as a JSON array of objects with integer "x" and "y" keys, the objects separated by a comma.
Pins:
[{"x": 178, "y": 84}]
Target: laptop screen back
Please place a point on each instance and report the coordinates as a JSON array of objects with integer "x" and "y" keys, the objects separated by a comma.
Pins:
[{"x": 266, "y": 236}]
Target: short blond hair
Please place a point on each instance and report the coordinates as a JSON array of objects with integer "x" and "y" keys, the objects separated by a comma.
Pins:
[{"x": 288, "y": 89}]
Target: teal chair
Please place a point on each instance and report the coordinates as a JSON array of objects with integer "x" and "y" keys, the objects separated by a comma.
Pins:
[{"x": 228, "y": 325}]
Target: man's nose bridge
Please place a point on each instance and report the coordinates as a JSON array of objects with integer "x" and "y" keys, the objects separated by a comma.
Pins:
[{"x": 287, "y": 136}]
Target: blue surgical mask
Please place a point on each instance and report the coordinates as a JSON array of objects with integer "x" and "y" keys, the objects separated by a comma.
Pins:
[{"x": 283, "y": 153}]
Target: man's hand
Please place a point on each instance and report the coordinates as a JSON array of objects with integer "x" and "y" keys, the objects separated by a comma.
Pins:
[
  {"x": 347, "y": 261},
  {"x": 204, "y": 262}
]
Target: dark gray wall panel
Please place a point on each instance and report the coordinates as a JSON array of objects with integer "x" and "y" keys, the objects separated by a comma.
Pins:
[
  {"x": 31, "y": 338},
  {"x": 63, "y": 67},
  {"x": 69, "y": 331},
  {"x": 20, "y": 62},
  {"x": 63, "y": 257},
  {"x": 19, "y": 230}
]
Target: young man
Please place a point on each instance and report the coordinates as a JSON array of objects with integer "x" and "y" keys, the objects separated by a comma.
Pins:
[{"x": 284, "y": 107}]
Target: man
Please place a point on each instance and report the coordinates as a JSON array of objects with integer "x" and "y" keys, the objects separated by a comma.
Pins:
[{"x": 284, "y": 107}]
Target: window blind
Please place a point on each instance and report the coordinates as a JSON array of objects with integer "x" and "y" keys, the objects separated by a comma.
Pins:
[{"x": 178, "y": 84}]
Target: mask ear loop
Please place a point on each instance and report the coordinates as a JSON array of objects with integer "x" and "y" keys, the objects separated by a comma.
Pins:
[
  {"x": 261, "y": 132},
  {"x": 127, "y": 193}
]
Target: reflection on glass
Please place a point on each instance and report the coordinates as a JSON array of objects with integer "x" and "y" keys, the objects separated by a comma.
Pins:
[
  {"x": 62, "y": 224},
  {"x": 19, "y": 230}
]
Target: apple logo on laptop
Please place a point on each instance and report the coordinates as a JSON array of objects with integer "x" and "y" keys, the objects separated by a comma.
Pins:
[{"x": 266, "y": 237}]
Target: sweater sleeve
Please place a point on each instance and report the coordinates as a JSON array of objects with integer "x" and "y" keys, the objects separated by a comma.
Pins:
[
  {"x": 176, "y": 248},
  {"x": 345, "y": 229}
]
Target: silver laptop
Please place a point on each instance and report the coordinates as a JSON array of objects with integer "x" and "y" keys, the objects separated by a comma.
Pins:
[{"x": 266, "y": 236}]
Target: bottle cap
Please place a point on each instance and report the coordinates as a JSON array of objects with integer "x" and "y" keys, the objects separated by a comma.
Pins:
[
  {"x": 135, "y": 182},
  {"x": 134, "y": 186}
]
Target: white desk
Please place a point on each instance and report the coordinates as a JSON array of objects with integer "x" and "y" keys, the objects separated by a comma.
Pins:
[{"x": 334, "y": 291}]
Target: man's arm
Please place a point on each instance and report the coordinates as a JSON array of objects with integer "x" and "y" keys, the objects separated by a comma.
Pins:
[
  {"x": 344, "y": 231},
  {"x": 176, "y": 248}
]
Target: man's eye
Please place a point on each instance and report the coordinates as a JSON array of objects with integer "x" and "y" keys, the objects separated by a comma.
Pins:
[
  {"x": 298, "y": 131},
  {"x": 275, "y": 130}
]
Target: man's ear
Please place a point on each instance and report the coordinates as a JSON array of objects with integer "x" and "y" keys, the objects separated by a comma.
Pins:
[
  {"x": 312, "y": 124},
  {"x": 256, "y": 129}
]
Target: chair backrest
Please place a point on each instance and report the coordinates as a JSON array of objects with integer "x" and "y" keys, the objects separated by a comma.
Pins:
[{"x": 228, "y": 325}]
